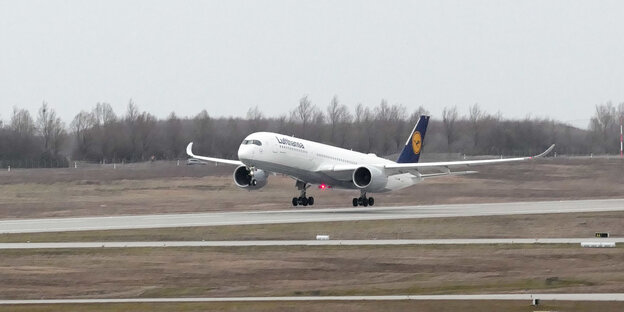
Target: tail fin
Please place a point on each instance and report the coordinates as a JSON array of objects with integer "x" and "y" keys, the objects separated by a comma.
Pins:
[{"x": 411, "y": 151}]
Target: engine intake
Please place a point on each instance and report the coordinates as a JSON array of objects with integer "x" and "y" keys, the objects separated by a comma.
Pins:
[
  {"x": 369, "y": 178},
  {"x": 251, "y": 180}
]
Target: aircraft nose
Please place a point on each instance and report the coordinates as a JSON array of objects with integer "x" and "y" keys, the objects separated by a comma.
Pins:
[{"x": 244, "y": 152}]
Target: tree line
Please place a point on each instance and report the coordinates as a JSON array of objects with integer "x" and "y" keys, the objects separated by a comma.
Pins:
[{"x": 102, "y": 135}]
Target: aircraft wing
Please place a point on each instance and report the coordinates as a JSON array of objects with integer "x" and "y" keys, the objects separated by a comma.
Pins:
[
  {"x": 189, "y": 151},
  {"x": 343, "y": 171},
  {"x": 463, "y": 163}
]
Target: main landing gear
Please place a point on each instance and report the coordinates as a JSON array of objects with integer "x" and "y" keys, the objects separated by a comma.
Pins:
[
  {"x": 363, "y": 200},
  {"x": 302, "y": 199}
]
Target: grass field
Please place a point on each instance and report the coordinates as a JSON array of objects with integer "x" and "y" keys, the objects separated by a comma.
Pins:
[
  {"x": 304, "y": 270},
  {"x": 355, "y": 306},
  {"x": 166, "y": 188},
  {"x": 294, "y": 271}
]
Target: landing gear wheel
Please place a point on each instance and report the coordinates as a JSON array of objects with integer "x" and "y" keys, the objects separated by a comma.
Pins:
[
  {"x": 253, "y": 182},
  {"x": 302, "y": 199},
  {"x": 363, "y": 200}
]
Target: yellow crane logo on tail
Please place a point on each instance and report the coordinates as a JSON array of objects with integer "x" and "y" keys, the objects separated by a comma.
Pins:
[{"x": 416, "y": 142}]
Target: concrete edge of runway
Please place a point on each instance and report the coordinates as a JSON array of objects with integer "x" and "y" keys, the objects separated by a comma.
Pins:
[
  {"x": 508, "y": 297},
  {"x": 255, "y": 243},
  {"x": 124, "y": 222}
]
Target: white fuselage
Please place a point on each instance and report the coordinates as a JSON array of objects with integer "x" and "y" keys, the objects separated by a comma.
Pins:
[{"x": 310, "y": 161}]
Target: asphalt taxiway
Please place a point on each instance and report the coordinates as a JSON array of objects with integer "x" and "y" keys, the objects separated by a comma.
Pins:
[
  {"x": 296, "y": 215},
  {"x": 256, "y": 243},
  {"x": 560, "y": 297}
]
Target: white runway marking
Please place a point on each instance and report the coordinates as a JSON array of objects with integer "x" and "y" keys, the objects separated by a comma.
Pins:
[
  {"x": 308, "y": 215},
  {"x": 559, "y": 297},
  {"x": 380, "y": 242}
]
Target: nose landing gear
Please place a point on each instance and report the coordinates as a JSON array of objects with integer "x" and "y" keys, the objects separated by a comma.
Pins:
[
  {"x": 302, "y": 199},
  {"x": 363, "y": 200}
]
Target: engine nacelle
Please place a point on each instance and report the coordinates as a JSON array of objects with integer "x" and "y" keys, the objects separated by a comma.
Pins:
[
  {"x": 369, "y": 179},
  {"x": 244, "y": 178}
]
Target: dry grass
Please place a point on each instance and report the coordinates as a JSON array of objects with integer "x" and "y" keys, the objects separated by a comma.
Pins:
[
  {"x": 166, "y": 188},
  {"x": 175, "y": 272},
  {"x": 289, "y": 271},
  {"x": 359, "y": 306}
]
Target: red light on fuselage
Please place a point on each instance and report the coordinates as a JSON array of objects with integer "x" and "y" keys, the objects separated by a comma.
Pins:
[{"x": 323, "y": 186}]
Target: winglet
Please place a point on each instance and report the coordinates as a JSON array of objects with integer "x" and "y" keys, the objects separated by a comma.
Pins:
[
  {"x": 546, "y": 152},
  {"x": 189, "y": 149}
]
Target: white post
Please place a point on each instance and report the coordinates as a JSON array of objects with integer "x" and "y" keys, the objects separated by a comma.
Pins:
[
  {"x": 9, "y": 168},
  {"x": 178, "y": 162},
  {"x": 75, "y": 165},
  {"x": 115, "y": 166}
]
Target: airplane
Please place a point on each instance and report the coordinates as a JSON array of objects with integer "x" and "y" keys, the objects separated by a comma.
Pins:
[{"x": 312, "y": 163}]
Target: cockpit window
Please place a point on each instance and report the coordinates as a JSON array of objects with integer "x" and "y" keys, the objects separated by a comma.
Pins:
[{"x": 254, "y": 142}]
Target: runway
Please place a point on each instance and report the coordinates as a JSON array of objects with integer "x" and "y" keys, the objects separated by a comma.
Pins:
[
  {"x": 295, "y": 215},
  {"x": 528, "y": 297},
  {"x": 255, "y": 243}
]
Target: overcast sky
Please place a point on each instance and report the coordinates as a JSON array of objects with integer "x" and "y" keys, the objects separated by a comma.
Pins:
[{"x": 541, "y": 58}]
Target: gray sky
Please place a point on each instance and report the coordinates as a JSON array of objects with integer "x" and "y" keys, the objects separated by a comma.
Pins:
[{"x": 541, "y": 58}]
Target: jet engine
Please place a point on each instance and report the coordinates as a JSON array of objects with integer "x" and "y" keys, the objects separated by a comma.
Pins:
[
  {"x": 251, "y": 179},
  {"x": 369, "y": 179}
]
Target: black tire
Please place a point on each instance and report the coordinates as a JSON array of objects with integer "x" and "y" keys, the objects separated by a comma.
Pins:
[
  {"x": 304, "y": 201},
  {"x": 254, "y": 182},
  {"x": 295, "y": 201},
  {"x": 355, "y": 202},
  {"x": 371, "y": 201},
  {"x": 364, "y": 202},
  {"x": 310, "y": 200}
]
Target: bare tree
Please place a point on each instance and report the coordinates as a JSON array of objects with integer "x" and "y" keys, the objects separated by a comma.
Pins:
[
  {"x": 476, "y": 117},
  {"x": 602, "y": 124},
  {"x": 52, "y": 131},
  {"x": 417, "y": 113},
  {"x": 140, "y": 131},
  {"x": 173, "y": 136},
  {"x": 255, "y": 119},
  {"x": 336, "y": 115},
  {"x": 304, "y": 113},
  {"x": 202, "y": 132},
  {"x": 22, "y": 123},
  {"x": 449, "y": 118},
  {"x": 104, "y": 114},
  {"x": 22, "y": 136},
  {"x": 364, "y": 128},
  {"x": 82, "y": 124}
]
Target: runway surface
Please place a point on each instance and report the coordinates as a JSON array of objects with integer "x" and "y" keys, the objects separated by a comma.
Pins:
[
  {"x": 380, "y": 242},
  {"x": 295, "y": 215},
  {"x": 560, "y": 297}
]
